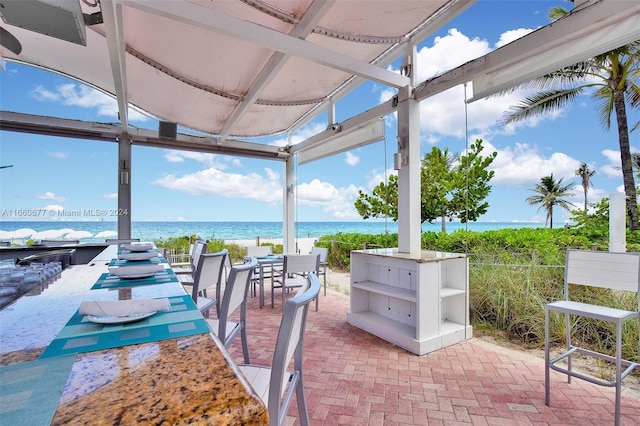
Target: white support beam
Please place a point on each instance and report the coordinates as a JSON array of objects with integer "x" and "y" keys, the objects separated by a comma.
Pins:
[
  {"x": 289, "y": 203},
  {"x": 314, "y": 14},
  {"x": 409, "y": 187},
  {"x": 343, "y": 141},
  {"x": 63, "y": 127},
  {"x": 124, "y": 187},
  {"x": 112, "y": 16},
  {"x": 206, "y": 19},
  {"x": 594, "y": 29},
  {"x": 587, "y": 31}
]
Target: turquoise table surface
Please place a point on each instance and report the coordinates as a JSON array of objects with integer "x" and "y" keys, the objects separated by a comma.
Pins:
[
  {"x": 30, "y": 391},
  {"x": 81, "y": 335}
]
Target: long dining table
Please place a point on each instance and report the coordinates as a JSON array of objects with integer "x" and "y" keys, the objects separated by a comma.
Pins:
[{"x": 57, "y": 368}]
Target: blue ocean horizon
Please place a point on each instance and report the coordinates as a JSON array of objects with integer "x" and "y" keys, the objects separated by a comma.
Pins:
[{"x": 98, "y": 231}]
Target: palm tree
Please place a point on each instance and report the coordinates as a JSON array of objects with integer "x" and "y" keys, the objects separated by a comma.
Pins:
[
  {"x": 614, "y": 75},
  {"x": 550, "y": 194},
  {"x": 585, "y": 174}
]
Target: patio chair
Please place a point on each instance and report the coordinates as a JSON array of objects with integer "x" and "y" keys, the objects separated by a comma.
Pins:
[
  {"x": 258, "y": 251},
  {"x": 322, "y": 270},
  {"x": 209, "y": 273},
  {"x": 275, "y": 385},
  {"x": 186, "y": 274},
  {"x": 235, "y": 296},
  {"x": 295, "y": 269},
  {"x": 615, "y": 271}
]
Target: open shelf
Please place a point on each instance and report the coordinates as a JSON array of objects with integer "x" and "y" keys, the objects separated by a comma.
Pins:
[
  {"x": 418, "y": 303},
  {"x": 386, "y": 290}
]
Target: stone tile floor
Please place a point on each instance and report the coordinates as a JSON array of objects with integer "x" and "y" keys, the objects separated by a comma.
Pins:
[{"x": 354, "y": 378}]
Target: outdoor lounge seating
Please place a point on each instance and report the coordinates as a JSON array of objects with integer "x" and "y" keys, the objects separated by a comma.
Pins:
[
  {"x": 275, "y": 385},
  {"x": 235, "y": 296},
  {"x": 209, "y": 273},
  {"x": 615, "y": 271},
  {"x": 295, "y": 269},
  {"x": 187, "y": 273},
  {"x": 322, "y": 270}
]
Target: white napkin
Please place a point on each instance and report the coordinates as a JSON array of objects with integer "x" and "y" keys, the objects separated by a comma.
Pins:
[
  {"x": 127, "y": 270},
  {"x": 123, "y": 308}
]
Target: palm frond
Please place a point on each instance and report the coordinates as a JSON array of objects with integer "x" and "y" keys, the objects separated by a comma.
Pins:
[{"x": 540, "y": 103}]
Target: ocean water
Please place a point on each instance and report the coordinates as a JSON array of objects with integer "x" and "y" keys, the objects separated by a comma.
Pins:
[{"x": 149, "y": 231}]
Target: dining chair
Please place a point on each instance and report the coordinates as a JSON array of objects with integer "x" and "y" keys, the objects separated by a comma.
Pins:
[
  {"x": 295, "y": 268},
  {"x": 209, "y": 273},
  {"x": 322, "y": 270},
  {"x": 619, "y": 272},
  {"x": 186, "y": 274},
  {"x": 274, "y": 384},
  {"x": 258, "y": 251},
  {"x": 235, "y": 296}
]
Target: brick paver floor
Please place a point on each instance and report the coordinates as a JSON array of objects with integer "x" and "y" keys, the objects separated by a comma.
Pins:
[{"x": 354, "y": 378}]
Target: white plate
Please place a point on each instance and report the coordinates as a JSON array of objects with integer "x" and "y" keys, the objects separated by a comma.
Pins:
[
  {"x": 138, "y": 248},
  {"x": 136, "y": 276},
  {"x": 138, "y": 256},
  {"x": 99, "y": 319}
]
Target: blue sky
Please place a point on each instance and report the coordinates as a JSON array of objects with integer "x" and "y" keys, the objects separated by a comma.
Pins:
[{"x": 70, "y": 174}]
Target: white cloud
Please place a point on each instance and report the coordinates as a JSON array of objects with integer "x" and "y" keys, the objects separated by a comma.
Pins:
[
  {"x": 511, "y": 35},
  {"x": 444, "y": 114},
  {"x": 522, "y": 164},
  {"x": 335, "y": 202},
  {"x": 211, "y": 160},
  {"x": 351, "y": 159},
  {"x": 59, "y": 154},
  {"x": 54, "y": 208},
  {"x": 613, "y": 168},
  {"x": 213, "y": 181},
  {"x": 78, "y": 95},
  {"x": 111, "y": 196},
  {"x": 50, "y": 196}
]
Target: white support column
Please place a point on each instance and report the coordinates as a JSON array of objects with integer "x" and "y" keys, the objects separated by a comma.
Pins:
[
  {"x": 288, "y": 231},
  {"x": 617, "y": 222},
  {"x": 409, "y": 224},
  {"x": 124, "y": 186}
]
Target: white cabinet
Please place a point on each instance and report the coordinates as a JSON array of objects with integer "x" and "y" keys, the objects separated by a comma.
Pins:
[{"x": 418, "y": 302}]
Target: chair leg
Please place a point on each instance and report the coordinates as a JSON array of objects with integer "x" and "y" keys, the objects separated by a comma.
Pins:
[
  {"x": 618, "y": 370},
  {"x": 245, "y": 345},
  {"x": 303, "y": 414},
  {"x": 567, "y": 328},
  {"x": 547, "y": 390}
]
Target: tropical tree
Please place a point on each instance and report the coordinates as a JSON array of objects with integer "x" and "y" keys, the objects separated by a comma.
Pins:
[
  {"x": 585, "y": 174},
  {"x": 551, "y": 193},
  {"x": 613, "y": 76},
  {"x": 452, "y": 187}
]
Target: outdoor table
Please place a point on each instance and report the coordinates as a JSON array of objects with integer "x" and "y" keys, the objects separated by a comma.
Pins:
[
  {"x": 153, "y": 379},
  {"x": 267, "y": 262}
]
